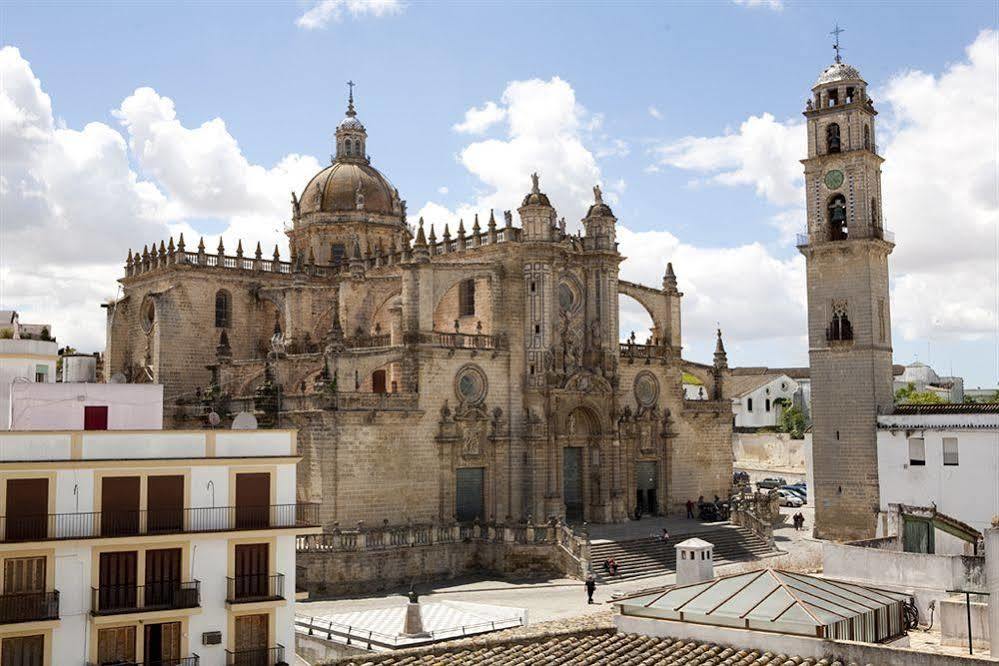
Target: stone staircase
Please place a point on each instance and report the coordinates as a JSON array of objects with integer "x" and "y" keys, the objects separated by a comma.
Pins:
[{"x": 643, "y": 558}]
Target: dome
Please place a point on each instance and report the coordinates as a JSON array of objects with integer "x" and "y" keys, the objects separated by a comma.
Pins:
[
  {"x": 536, "y": 199},
  {"x": 350, "y": 122},
  {"x": 600, "y": 210},
  {"x": 340, "y": 183},
  {"x": 838, "y": 71}
]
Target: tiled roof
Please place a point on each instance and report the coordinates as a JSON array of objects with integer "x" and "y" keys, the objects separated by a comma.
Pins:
[
  {"x": 739, "y": 385},
  {"x": 597, "y": 646},
  {"x": 948, "y": 408}
]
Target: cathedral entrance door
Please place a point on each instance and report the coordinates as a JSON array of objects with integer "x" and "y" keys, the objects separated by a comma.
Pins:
[
  {"x": 572, "y": 483},
  {"x": 469, "y": 502},
  {"x": 647, "y": 500}
]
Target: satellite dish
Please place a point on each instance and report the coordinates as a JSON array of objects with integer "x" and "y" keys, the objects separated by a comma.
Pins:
[
  {"x": 244, "y": 421},
  {"x": 118, "y": 378},
  {"x": 214, "y": 419}
]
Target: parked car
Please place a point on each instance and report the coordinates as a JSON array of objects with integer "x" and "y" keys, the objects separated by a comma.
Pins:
[
  {"x": 787, "y": 498},
  {"x": 771, "y": 483},
  {"x": 799, "y": 492}
]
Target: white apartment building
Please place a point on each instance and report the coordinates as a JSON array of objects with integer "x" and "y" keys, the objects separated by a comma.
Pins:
[
  {"x": 944, "y": 455},
  {"x": 26, "y": 356},
  {"x": 174, "y": 548},
  {"x": 65, "y": 406}
]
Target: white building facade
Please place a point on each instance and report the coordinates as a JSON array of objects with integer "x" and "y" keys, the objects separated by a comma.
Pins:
[
  {"x": 76, "y": 406},
  {"x": 757, "y": 400},
  {"x": 24, "y": 361},
  {"x": 945, "y": 455},
  {"x": 172, "y": 547}
]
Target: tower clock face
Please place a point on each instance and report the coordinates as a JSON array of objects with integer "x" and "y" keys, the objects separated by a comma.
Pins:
[{"x": 834, "y": 179}]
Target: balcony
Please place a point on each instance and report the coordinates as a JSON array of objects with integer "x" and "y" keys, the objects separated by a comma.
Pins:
[
  {"x": 255, "y": 657},
  {"x": 193, "y": 660},
  {"x": 114, "y": 599},
  {"x": 97, "y": 524},
  {"x": 254, "y": 587},
  {"x": 29, "y": 607}
]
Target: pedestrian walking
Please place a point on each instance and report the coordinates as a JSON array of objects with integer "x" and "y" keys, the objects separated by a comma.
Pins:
[
  {"x": 690, "y": 509},
  {"x": 591, "y": 587}
]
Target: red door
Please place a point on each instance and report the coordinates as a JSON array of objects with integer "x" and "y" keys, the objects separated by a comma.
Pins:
[{"x": 95, "y": 417}]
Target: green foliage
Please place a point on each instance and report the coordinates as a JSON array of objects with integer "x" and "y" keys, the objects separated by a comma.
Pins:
[
  {"x": 908, "y": 395},
  {"x": 792, "y": 421},
  {"x": 6, "y": 334}
]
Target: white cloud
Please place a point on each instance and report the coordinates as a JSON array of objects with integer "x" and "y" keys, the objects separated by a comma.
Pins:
[
  {"x": 776, "y": 5},
  {"x": 71, "y": 204},
  {"x": 655, "y": 113},
  {"x": 939, "y": 137},
  {"x": 323, "y": 12},
  {"x": 442, "y": 189},
  {"x": 478, "y": 120}
]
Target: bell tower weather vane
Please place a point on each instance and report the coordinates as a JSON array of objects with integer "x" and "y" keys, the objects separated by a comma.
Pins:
[{"x": 836, "y": 32}]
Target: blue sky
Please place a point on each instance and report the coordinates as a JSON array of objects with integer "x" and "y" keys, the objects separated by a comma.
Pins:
[{"x": 645, "y": 77}]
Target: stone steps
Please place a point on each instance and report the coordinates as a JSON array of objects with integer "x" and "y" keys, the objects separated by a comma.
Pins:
[{"x": 643, "y": 558}]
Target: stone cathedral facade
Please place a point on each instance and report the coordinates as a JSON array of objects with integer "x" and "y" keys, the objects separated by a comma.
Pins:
[
  {"x": 464, "y": 373},
  {"x": 849, "y": 324}
]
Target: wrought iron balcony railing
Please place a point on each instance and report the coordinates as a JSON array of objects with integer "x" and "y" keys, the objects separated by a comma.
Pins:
[
  {"x": 255, "y": 657},
  {"x": 118, "y": 523},
  {"x": 254, "y": 587},
  {"x": 112, "y": 599},
  {"x": 193, "y": 660},
  {"x": 29, "y": 607}
]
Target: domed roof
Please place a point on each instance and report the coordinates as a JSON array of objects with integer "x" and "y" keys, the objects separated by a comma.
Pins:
[
  {"x": 838, "y": 71},
  {"x": 335, "y": 190},
  {"x": 536, "y": 197},
  {"x": 350, "y": 122}
]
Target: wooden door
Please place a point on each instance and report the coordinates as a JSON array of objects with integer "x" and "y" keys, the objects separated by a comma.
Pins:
[
  {"x": 116, "y": 645},
  {"x": 378, "y": 381},
  {"x": 252, "y": 571},
  {"x": 163, "y": 577},
  {"x": 95, "y": 417},
  {"x": 572, "y": 483},
  {"x": 27, "y": 509},
  {"x": 23, "y": 651},
  {"x": 251, "y": 638},
  {"x": 253, "y": 497},
  {"x": 24, "y": 591},
  {"x": 469, "y": 500},
  {"x": 119, "y": 505},
  {"x": 118, "y": 581},
  {"x": 162, "y": 644},
  {"x": 165, "y": 501}
]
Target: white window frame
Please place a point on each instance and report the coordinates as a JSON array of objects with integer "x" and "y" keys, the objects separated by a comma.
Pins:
[
  {"x": 917, "y": 445},
  {"x": 953, "y": 455}
]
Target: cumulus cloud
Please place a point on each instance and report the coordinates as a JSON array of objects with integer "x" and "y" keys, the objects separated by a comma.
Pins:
[
  {"x": 939, "y": 137},
  {"x": 72, "y": 201},
  {"x": 322, "y": 13},
  {"x": 655, "y": 113},
  {"x": 478, "y": 120}
]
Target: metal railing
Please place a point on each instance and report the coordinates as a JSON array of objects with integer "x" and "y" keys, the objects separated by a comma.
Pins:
[
  {"x": 255, "y": 657},
  {"x": 112, "y": 599},
  {"x": 117, "y": 523},
  {"x": 254, "y": 587},
  {"x": 193, "y": 660},
  {"x": 29, "y": 607}
]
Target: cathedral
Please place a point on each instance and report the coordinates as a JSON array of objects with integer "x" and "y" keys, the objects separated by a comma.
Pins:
[{"x": 467, "y": 373}]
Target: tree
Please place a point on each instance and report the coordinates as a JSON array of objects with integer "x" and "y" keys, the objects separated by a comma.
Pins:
[
  {"x": 792, "y": 420},
  {"x": 908, "y": 395}
]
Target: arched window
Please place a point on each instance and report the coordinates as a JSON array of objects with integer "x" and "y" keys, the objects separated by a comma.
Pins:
[
  {"x": 836, "y": 214},
  {"x": 338, "y": 254},
  {"x": 767, "y": 405},
  {"x": 749, "y": 404},
  {"x": 832, "y": 138},
  {"x": 867, "y": 137},
  {"x": 348, "y": 145},
  {"x": 378, "y": 384},
  {"x": 357, "y": 148},
  {"x": 223, "y": 309},
  {"x": 840, "y": 329}
]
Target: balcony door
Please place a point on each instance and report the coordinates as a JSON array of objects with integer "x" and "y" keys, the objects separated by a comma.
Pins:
[
  {"x": 23, "y": 651},
  {"x": 165, "y": 500},
  {"x": 253, "y": 498},
  {"x": 252, "y": 571},
  {"x": 251, "y": 640},
  {"x": 118, "y": 581},
  {"x": 116, "y": 646},
  {"x": 27, "y": 509},
  {"x": 163, "y": 577},
  {"x": 120, "y": 505},
  {"x": 162, "y": 644},
  {"x": 24, "y": 595}
]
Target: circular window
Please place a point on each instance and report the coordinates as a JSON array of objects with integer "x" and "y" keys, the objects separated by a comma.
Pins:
[
  {"x": 470, "y": 385},
  {"x": 147, "y": 314},
  {"x": 646, "y": 389}
]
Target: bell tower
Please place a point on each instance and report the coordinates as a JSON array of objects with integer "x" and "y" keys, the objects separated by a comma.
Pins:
[{"x": 849, "y": 328}]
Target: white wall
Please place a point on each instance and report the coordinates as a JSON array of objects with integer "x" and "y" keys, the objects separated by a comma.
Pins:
[
  {"x": 780, "y": 387},
  {"x": 968, "y": 491},
  {"x": 60, "y": 406},
  {"x": 18, "y": 361}
]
